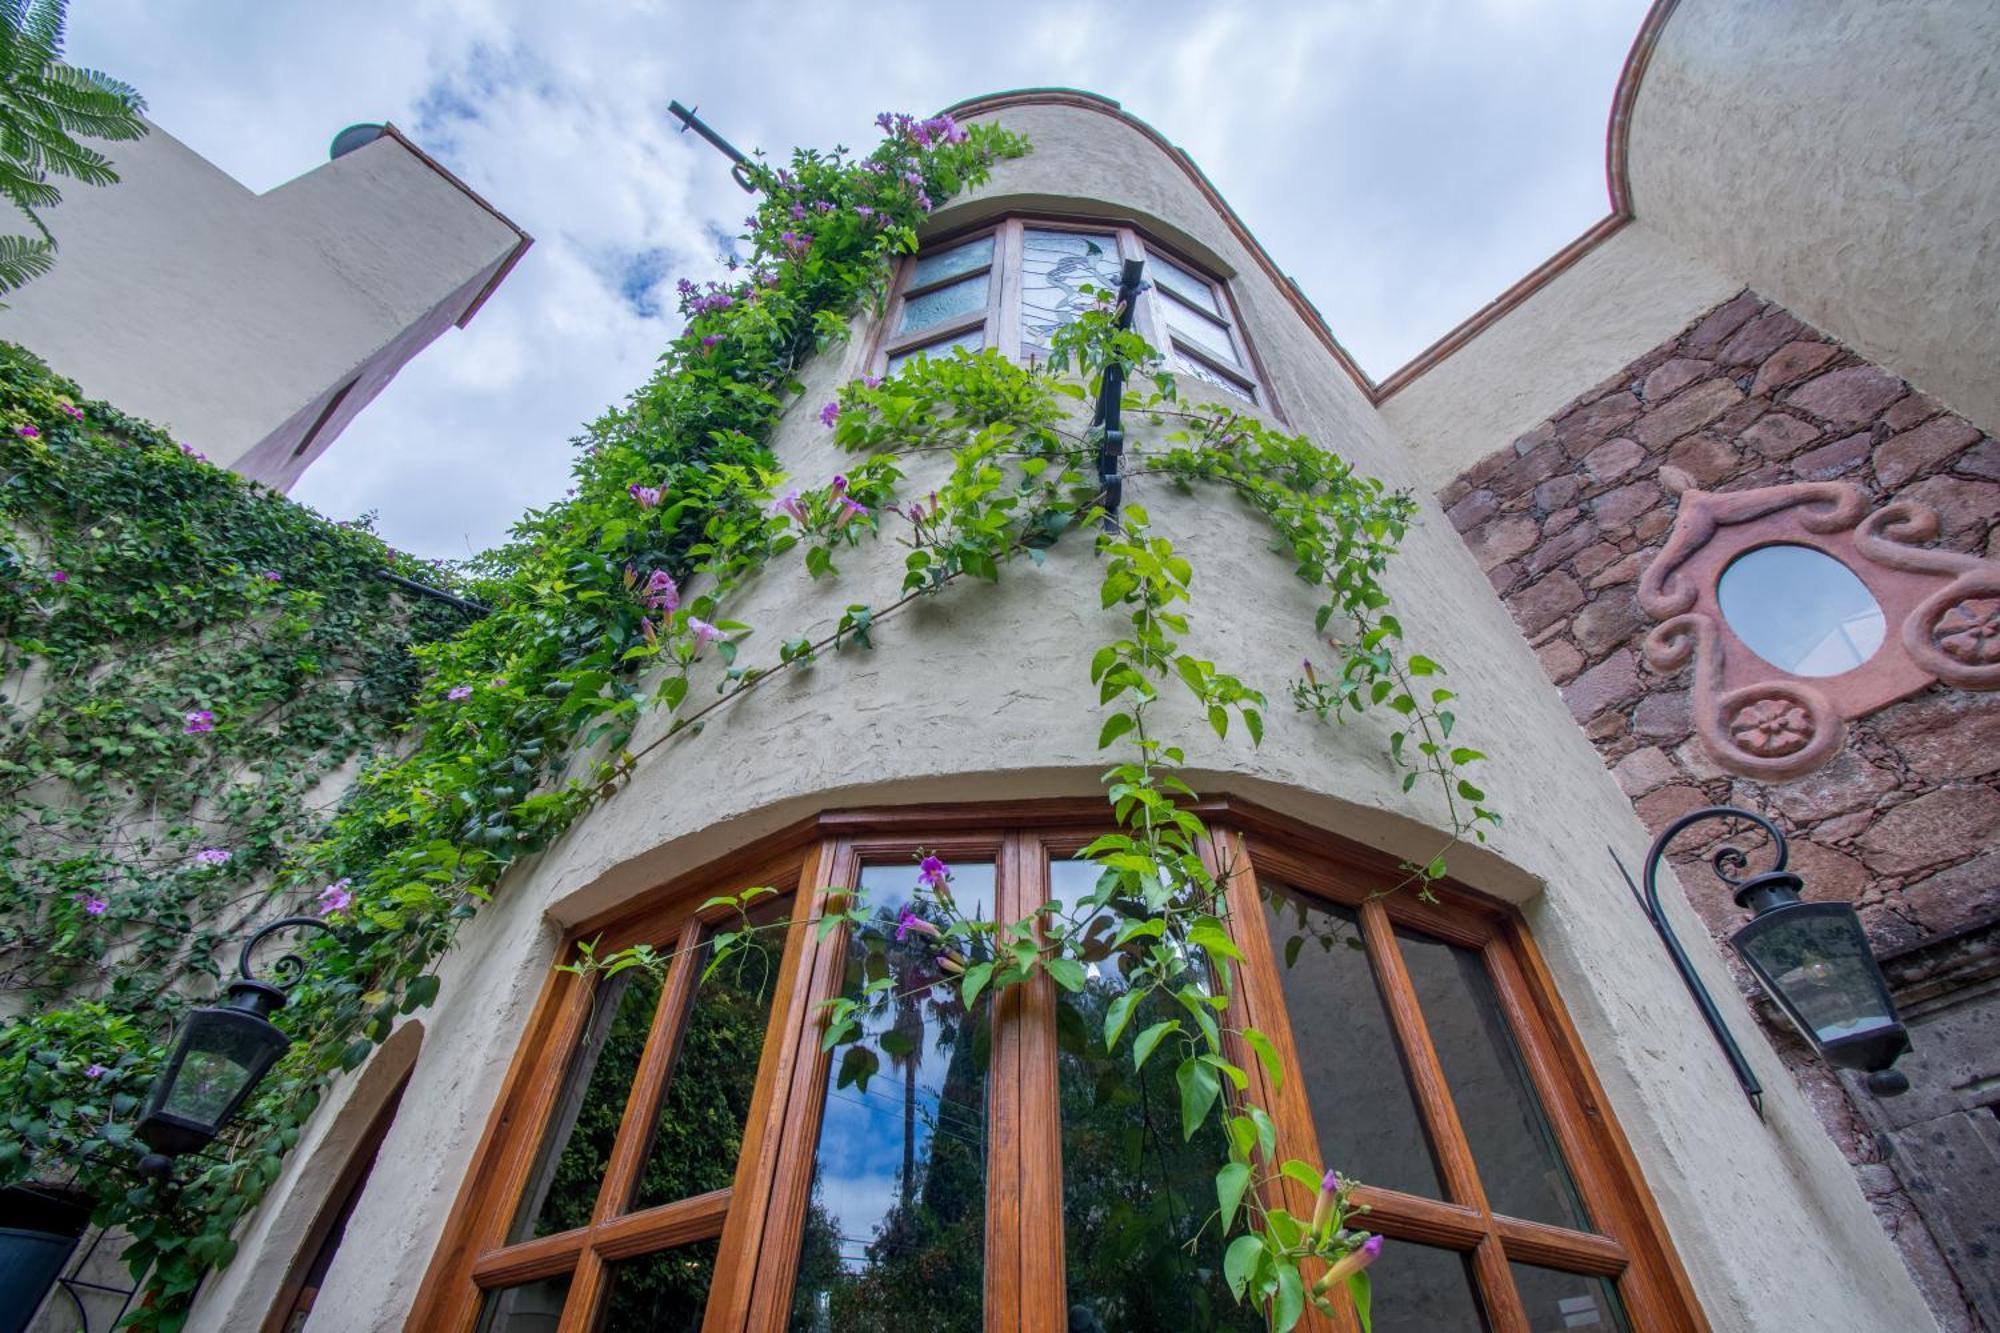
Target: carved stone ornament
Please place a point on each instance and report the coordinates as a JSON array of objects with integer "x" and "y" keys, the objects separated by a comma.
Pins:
[{"x": 1940, "y": 609}]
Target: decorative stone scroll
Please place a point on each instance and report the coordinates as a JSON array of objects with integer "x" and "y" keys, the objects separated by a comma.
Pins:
[{"x": 1941, "y": 611}]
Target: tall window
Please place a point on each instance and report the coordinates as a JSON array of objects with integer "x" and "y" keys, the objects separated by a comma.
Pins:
[
  {"x": 1013, "y": 285},
  {"x": 683, "y": 1154}
]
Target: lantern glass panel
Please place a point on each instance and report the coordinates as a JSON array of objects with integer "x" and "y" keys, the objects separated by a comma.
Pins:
[
  {"x": 226, "y": 1051},
  {"x": 1815, "y": 962}
]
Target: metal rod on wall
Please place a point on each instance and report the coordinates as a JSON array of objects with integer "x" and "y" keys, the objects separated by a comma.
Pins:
[
  {"x": 690, "y": 121},
  {"x": 1110, "y": 398}
]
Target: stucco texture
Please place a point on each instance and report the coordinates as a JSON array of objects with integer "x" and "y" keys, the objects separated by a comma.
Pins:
[{"x": 984, "y": 692}]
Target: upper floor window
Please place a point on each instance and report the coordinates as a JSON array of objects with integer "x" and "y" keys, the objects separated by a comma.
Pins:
[{"x": 1011, "y": 286}]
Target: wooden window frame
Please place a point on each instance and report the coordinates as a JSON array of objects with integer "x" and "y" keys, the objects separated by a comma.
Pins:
[
  {"x": 759, "y": 1218},
  {"x": 1000, "y": 322}
]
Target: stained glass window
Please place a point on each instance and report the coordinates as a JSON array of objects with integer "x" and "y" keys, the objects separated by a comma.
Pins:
[{"x": 1055, "y": 268}]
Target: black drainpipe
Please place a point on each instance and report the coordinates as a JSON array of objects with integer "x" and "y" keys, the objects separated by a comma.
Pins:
[{"x": 1111, "y": 443}]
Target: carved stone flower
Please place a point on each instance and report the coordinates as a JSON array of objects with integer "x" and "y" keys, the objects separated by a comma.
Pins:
[
  {"x": 1771, "y": 728},
  {"x": 1970, "y": 631}
]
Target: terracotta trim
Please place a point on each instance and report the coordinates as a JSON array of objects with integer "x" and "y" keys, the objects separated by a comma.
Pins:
[
  {"x": 521, "y": 245},
  {"x": 1618, "y": 186}
]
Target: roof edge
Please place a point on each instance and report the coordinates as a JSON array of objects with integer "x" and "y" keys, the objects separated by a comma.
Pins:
[{"x": 522, "y": 239}]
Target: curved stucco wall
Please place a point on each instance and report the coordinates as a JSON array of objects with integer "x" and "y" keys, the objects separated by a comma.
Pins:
[
  {"x": 984, "y": 692},
  {"x": 1842, "y": 158}
]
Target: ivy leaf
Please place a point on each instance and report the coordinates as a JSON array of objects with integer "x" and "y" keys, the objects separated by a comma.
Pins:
[
  {"x": 1199, "y": 1088},
  {"x": 420, "y": 992}
]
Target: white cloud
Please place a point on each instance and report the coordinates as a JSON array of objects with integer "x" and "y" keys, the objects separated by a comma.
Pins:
[{"x": 1405, "y": 160}]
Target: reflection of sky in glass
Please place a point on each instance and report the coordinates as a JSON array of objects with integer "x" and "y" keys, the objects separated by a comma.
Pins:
[
  {"x": 950, "y": 263},
  {"x": 1200, "y": 330},
  {"x": 1195, "y": 291},
  {"x": 879, "y": 1222},
  {"x": 1184, "y": 364},
  {"x": 972, "y": 340},
  {"x": 1801, "y": 610}
]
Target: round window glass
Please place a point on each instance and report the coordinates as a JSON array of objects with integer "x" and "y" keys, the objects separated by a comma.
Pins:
[{"x": 1801, "y": 610}]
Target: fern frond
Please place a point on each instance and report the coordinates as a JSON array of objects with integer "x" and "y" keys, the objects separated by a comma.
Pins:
[{"x": 23, "y": 259}]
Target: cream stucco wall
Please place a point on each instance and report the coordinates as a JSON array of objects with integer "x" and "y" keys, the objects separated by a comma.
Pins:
[
  {"x": 232, "y": 318},
  {"x": 1842, "y": 157},
  {"x": 983, "y": 692},
  {"x": 1616, "y": 303}
]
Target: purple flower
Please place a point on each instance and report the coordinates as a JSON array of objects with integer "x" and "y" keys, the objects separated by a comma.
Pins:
[
  {"x": 790, "y": 505},
  {"x": 273, "y": 576},
  {"x": 910, "y": 921},
  {"x": 709, "y": 340},
  {"x": 72, "y": 411},
  {"x": 913, "y": 180},
  {"x": 798, "y": 243},
  {"x": 1352, "y": 1263},
  {"x": 829, "y": 414},
  {"x": 57, "y": 576},
  {"x": 197, "y": 722},
  {"x": 885, "y": 121},
  {"x": 923, "y": 201},
  {"x": 95, "y": 1070},
  {"x": 798, "y": 212},
  {"x": 839, "y": 482},
  {"x": 27, "y": 432},
  {"x": 458, "y": 692},
  {"x": 863, "y": 210},
  {"x": 932, "y": 872},
  {"x": 661, "y": 592},
  {"x": 647, "y": 496},
  {"x": 213, "y": 856},
  {"x": 92, "y": 904},
  {"x": 335, "y": 897},
  {"x": 703, "y": 631},
  {"x": 499, "y": 682},
  {"x": 824, "y": 205},
  {"x": 871, "y": 381},
  {"x": 850, "y": 510},
  {"x": 686, "y": 288}
]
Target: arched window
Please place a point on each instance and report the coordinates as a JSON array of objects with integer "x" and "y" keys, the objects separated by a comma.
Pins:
[
  {"x": 686, "y": 1155},
  {"x": 1012, "y": 284}
]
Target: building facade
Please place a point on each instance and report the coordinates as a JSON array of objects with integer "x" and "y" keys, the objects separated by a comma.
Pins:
[
  {"x": 1783, "y": 328},
  {"x": 256, "y": 326}
]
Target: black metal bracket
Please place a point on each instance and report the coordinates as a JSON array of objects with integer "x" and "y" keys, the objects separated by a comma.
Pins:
[
  {"x": 289, "y": 968},
  {"x": 1110, "y": 396},
  {"x": 1723, "y": 860},
  {"x": 435, "y": 594},
  {"x": 740, "y": 171}
]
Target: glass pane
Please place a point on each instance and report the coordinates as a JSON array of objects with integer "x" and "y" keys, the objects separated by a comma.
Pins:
[
  {"x": 209, "y": 1081},
  {"x": 972, "y": 340},
  {"x": 1353, "y": 1072},
  {"x": 1184, "y": 364},
  {"x": 1512, "y": 1145},
  {"x": 1194, "y": 290},
  {"x": 1055, "y": 266},
  {"x": 1419, "y": 1289},
  {"x": 563, "y": 1191},
  {"x": 959, "y": 299},
  {"x": 895, "y": 1234},
  {"x": 1800, "y": 610},
  {"x": 665, "y": 1292},
  {"x": 1559, "y": 1302},
  {"x": 1816, "y": 959},
  {"x": 950, "y": 263},
  {"x": 699, "y": 1130},
  {"x": 1134, "y": 1192},
  {"x": 535, "y": 1308},
  {"x": 1200, "y": 330}
]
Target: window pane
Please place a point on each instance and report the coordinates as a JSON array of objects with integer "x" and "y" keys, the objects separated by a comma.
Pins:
[
  {"x": 950, "y": 263},
  {"x": 1134, "y": 1192},
  {"x": 895, "y": 1232},
  {"x": 535, "y": 1308},
  {"x": 1363, "y": 1107},
  {"x": 1055, "y": 266},
  {"x": 957, "y": 300},
  {"x": 1519, "y": 1162},
  {"x": 972, "y": 340},
  {"x": 1419, "y": 1289},
  {"x": 1200, "y": 330},
  {"x": 699, "y": 1130},
  {"x": 665, "y": 1292},
  {"x": 1194, "y": 290},
  {"x": 1184, "y": 364},
  {"x": 1801, "y": 610},
  {"x": 563, "y": 1190},
  {"x": 1557, "y": 1302}
]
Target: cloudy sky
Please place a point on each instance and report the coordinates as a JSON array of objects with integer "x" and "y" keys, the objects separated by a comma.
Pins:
[{"x": 1405, "y": 160}]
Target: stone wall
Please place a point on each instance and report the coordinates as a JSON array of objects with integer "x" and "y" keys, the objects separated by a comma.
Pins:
[{"x": 1905, "y": 823}]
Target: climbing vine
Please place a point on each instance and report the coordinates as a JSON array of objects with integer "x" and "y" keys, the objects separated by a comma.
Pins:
[{"x": 609, "y": 607}]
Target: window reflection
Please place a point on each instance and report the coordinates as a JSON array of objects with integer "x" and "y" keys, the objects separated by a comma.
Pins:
[
  {"x": 1419, "y": 1289},
  {"x": 1800, "y": 609},
  {"x": 972, "y": 341},
  {"x": 666, "y": 1292},
  {"x": 534, "y": 1308},
  {"x": 1135, "y": 1194},
  {"x": 1564, "y": 1301},
  {"x": 895, "y": 1231}
]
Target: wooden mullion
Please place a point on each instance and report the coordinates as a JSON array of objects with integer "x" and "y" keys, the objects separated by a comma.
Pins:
[
  {"x": 1005, "y": 1234},
  {"x": 1454, "y": 1151},
  {"x": 1607, "y": 1172},
  {"x": 1258, "y": 1001},
  {"x": 656, "y": 1062},
  {"x": 776, "y": 1268},
  {"x": 937, "y": 284},
  {"x": 764, "y": 1140},
  {"x": 1007, "y": 253},
  {"x": 1559, "y": 1247},
  {"x": 1337, "y": 884},
  {"x": 531, "y": 1260},
  {"x": 1043, "y": 1301},
  {"x": 682, "y": 1222},
  {"x": 586, "y": 1284},
  {"x": 1451, "y": 1226}
]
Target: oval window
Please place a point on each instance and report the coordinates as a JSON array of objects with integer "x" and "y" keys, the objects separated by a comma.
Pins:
[{"x": 1800, "y": 609}]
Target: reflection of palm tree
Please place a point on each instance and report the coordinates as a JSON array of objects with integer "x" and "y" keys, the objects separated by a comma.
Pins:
[{"x": 907, "y": 1055}]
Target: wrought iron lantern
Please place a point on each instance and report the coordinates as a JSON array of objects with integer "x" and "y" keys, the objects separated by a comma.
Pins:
[
  {"x": 222, "y": 1055},
  {"x": 1812, "y": 959}
]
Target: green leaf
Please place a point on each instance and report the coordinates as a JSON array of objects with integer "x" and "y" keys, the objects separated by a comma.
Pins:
[
  {"x": 1143, "y": 1044},
  {"x": 1230, "y": 1182},
  {"x": 1116, "y": 1016},
  {"x": 1199, "y": 1088},
  {"x": 1361, "y": 1288},
  {"x": 1114, "y": 726},
  {"x": 1291, "y": 1301},
  {"x": 420, "y": 992},
  {"x": 1239, "y": 1262},
  {"x": 1267, "y": 1055},
  {"x": 973, "y": 982},
  {"x": 1068, "y": 973}
]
